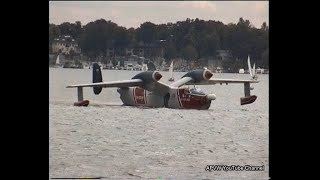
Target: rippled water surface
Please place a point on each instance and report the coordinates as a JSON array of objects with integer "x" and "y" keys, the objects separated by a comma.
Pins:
[{"x": 113, "y": 141}]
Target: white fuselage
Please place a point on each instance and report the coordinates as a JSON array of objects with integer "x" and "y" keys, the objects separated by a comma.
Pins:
[{"x": 176, "y": 98}]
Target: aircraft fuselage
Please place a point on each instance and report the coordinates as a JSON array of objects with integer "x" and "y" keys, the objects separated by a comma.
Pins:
[{"x": 180, "y": 98}]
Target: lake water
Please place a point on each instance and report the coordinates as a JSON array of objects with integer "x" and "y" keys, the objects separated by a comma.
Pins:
[{"x": 112, "y": 141}]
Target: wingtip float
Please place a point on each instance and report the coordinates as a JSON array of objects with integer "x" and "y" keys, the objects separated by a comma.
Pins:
[
  {"x": 82, "y": 103},
  {"x": 248, "y": 99}
]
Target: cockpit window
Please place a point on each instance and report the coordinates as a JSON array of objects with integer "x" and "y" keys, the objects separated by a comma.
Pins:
[{"x": 197, "y": 91}]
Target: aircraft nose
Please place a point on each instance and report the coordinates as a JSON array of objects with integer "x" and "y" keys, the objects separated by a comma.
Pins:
[{"x": 211, "y": 96}]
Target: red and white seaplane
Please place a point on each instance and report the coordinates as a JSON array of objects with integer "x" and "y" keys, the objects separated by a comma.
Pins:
[{"x": 145, "y": 89}]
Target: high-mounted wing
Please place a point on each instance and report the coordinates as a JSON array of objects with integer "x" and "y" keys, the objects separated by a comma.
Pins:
[
  {"x": 221, "y": 81},
  {"x": 203, "y": 77},
  {"x": 247, "y": 99},
  {"x": 181, "y": 82},
  {"x": 124, "y": 83},
  {"x": 193, "y": 77},
  {"x": 147, "y": 80},
  {"x": 97, "y": 87}
]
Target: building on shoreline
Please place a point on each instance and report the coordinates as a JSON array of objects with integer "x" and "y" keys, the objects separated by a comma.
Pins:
[{"x": 66, "y": 45}]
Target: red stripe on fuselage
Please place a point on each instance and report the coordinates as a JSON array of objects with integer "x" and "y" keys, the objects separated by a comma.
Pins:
[
  {"x": 139, "y": 95},
  {"x": 134, "y": 97},
  {"x": 179, "y": 97},
  {"x": 191, "y": 101},
  {"x": 145, "y": 96}
]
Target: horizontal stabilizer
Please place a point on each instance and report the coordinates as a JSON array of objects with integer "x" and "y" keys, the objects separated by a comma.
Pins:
[{"x": 96, "y": 78}]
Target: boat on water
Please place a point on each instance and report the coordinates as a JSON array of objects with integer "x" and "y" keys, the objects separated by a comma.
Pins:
[
  {"x": 252, "y": 70},
  {"x": 73, "y": 65},
  {"x": 262, "y": 71},
  {"x": 219, "y": 70},
  {"x": 129, "y": 67},
  {"x": 171, "y": 72},
  {"x": 144, "y": 67},
  {"x": 58, "y": 64},
  {"x": 86, "y": 66}
]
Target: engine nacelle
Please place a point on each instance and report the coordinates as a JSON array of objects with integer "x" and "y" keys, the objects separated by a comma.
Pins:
[
  {"x": 148, "y": 76},
  {"x": 199, "y": 75}
]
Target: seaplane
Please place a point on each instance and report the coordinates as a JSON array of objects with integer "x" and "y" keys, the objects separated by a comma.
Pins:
[{"x": 145, "y": 89}]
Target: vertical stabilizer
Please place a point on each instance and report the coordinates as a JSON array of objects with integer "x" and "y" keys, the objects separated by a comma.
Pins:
[{"x": 96, "y": 77}]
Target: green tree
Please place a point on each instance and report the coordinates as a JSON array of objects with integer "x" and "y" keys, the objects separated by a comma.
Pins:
[
  {"x": 162, "y": 32},
  {"x": 66, "y": 28},
  {"x": 170, "y": 52},
  {"x": 54, "y": 32},
  {"x": 147, "y": 32},
  {"x": 192, "y": 38},
  {"x": 190, "y": 53},
  {"x": 265, "y": 58},
  {"x": 72, "y": 53},
  {"x": 264, "y": 26},
  {"x": 121, "y": 39},
  {"x": 97, "y": 37}
]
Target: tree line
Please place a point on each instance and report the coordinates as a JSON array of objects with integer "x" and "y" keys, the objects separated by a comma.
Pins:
[{"x": 191, "y": 39}]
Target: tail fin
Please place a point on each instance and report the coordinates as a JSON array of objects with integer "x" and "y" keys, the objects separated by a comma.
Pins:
[{"x": 96, "y": 77}]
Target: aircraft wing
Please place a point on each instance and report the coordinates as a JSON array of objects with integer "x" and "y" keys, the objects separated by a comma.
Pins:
[
  {"x": 221, "y": 81},
  {"x": 189, "y": 81},
  {"x": 160, "y": 88},
  {"x": 156, "y": 87},
  {"x": 181, "y": 82},
  {"x": 124, "y": 83},
  {"x": 247, "y": 99}
]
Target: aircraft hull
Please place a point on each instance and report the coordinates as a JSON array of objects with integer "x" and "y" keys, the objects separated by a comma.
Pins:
[{"x": 179, "y": 98}]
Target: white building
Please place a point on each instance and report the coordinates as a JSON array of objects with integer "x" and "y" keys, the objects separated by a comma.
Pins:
[
  {"x": 64, "y": 44},
  {"x": 224, "y": 54}
]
